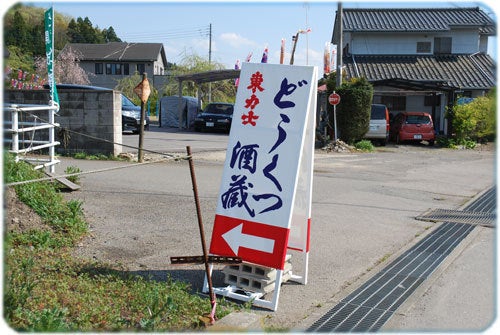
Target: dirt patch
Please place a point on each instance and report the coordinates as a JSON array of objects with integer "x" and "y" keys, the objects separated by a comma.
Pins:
[{"x": 19, "y": 216}]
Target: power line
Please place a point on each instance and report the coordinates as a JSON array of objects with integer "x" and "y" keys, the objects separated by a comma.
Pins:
[{"x": 200, "y": 31}]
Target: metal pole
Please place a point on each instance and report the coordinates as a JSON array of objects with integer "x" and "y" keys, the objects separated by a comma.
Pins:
[
  {"x": 202, "y": 234},
  {"x": 141, "y": 126},
  {"x": 15, "y": 133},
  {"x": 209, "y": 63},
  {"x": 52, "y": 152},
  {"x": 335, "y": 120},
  {"x": 295, "y": 39}
]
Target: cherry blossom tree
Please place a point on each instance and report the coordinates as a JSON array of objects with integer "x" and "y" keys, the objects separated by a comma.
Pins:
[{"x": 67, "y": 69}]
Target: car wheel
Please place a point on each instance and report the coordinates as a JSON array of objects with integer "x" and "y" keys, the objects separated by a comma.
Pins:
[{"x": 431, "y": 143}]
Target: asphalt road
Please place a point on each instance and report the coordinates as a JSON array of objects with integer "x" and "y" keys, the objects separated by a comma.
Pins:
[{"x": 363, "y": 212}]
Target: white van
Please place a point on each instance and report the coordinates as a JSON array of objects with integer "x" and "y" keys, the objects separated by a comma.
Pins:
[{"x": 379, "y": 124}]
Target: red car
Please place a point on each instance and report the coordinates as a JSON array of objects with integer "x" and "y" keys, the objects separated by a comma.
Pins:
[{"x": 412, "y": 126}]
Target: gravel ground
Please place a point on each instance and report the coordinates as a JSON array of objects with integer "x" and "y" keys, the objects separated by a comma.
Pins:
[{"x": 363, "y": 207}]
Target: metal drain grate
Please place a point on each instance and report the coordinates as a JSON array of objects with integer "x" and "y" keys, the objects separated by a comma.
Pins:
[
  {"x": 487, "y": 202},
  {"x": 450, "y": 215},
  {"x": 372, "y": 304}
]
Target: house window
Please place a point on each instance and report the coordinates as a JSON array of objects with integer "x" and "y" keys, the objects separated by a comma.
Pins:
[
  {"x": 117, "y": 69},
  {"x": 141, "y": 68},
  {"x": 442, "y": 45},
  {"x": 397, "y": 103},
  {"x": 99, "y": 68},
  {"x": 423, "y": 47}
]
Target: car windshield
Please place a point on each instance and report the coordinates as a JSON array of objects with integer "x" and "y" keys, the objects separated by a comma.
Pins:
[
  {"x": 126, "y": 101},
  {"x": 220, "y": 109},
  {"x": 418, "y": 119}
]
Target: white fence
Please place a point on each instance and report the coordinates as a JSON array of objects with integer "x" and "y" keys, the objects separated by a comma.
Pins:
[{"x": 21, "y": 145}]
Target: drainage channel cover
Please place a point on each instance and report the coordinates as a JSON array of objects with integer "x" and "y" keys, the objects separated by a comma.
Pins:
[
  {"x": 457, "y": 216},
  {"x": 373, "y": 303}
]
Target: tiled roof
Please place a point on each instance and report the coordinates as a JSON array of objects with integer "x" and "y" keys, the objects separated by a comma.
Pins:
[
  {"x": 416, "y": 19},
  {"x": 119, "y": 51},
  {"x": 476, "y": 71}
]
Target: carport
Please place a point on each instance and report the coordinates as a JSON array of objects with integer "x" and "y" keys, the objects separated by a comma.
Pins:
[
  {"x": 422, "y": 86},
  {"x": 200, "y": 78}
]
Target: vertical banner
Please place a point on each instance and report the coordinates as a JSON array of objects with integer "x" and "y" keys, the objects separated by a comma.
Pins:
[
  {"x": 49, "y": 52},
  {"x": 266, "y": 185}
]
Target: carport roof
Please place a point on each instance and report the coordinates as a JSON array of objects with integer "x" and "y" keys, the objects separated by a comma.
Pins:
[{"x": 209, "y": 76}]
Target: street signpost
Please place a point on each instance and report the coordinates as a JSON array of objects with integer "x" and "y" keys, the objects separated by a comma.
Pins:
[
  {"x": 264, "y": 204},
  {"x": 334, "y": 100}
]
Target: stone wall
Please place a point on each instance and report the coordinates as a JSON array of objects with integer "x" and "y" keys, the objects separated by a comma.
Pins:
[{"x": 90, "y": 120}]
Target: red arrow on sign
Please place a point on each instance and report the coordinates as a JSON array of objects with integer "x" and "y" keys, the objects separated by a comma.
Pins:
[
  {"x": 236, "y": 239},
  {"x": 252, "y": 241}
]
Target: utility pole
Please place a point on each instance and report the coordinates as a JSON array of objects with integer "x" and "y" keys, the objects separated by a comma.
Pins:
[
  {"x": 210, "y": 62},
  {"x": 339, "y": 45},
  {"x": 294, "y": 39}
]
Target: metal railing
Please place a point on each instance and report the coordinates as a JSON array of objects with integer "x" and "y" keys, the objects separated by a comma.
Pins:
[{"x": 20, "y": 146}]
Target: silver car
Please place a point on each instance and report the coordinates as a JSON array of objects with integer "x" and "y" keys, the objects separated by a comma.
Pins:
[{"x": 379, "y": 124}]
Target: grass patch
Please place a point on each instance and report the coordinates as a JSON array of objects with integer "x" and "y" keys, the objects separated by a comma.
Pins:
[
  {"x": 364, "y": 145},
  {"x": 47, "y": 289}
]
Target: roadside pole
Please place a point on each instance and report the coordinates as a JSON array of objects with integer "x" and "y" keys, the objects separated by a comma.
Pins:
[
  {"x": 334, "y": 100},
  {"x": 142, "y": 90}
]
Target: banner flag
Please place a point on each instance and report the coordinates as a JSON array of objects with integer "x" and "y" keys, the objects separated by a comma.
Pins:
[
  {"x": 326, "y": 60},
  {"x": 282, "y": 51},
  {"x": 49, "y": 52},
  {"x": 237, "y": 67},
  {"x": 264, "y": 55}
]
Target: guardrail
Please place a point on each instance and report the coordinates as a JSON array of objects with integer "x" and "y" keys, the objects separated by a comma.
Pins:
[{"x": 21, "y": 146}]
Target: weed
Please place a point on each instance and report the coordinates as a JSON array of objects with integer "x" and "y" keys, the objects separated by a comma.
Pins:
[
  {"x": 364, "y": 145},
  {"x": 46, "y": 289},
  {"x": 73, "y": 170}
]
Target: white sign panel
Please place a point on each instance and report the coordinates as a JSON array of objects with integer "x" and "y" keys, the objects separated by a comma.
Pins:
[{"x": 271, "y": 133}]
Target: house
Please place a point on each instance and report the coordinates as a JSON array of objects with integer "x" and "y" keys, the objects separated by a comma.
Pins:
[
  {"x": 110, "y": 62},
  {"x": 419, "y": 59}
]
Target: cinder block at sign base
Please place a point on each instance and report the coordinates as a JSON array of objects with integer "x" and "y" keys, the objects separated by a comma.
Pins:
[
  {"x": 257, "y": 271},
  {"x": 255, "y": 278},
  {"x": 253, "y": 284}
]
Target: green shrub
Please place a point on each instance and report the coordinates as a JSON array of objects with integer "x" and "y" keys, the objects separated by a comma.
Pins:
[
  {"x": 475, "y": 121},
  {"x": 353, "y": 111}
]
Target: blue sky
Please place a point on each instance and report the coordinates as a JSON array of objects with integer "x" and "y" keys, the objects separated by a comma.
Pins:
[{"x": 238, "y": 28}]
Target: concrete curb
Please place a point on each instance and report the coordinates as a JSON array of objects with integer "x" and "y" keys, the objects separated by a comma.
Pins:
[{"x": 238, "y": 322}]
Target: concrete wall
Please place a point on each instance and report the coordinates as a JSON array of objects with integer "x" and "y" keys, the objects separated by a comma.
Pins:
[
  {"x": 96, "y": 114},
  {"x": 463, "y": 42}
]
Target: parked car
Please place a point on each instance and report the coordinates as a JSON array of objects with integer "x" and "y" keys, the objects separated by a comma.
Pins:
[
  {"x": 379, "y": 124},
  {"x": 412, "y": 126},
  {"x": 131, "y": 113},
  {"x": 131, "y": 116},
  {"x": 216, "y": 116}
]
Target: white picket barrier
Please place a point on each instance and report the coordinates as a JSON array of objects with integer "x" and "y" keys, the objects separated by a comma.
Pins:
[{"x": 20, "y": 146}]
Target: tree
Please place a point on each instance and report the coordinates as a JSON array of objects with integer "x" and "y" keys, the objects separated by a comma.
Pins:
[
  {"x": 223, "y": 91},
  {"x": 66, "y": 69},
  {"x": 109, "y": 35},
  {"x": 17, "y": 34}
]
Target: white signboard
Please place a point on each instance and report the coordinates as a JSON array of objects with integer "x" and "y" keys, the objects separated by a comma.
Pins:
[{"x": 265, "y": 195}]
